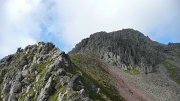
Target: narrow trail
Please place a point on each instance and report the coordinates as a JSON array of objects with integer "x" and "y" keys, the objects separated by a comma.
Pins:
[{"x": 125, "y": 89}]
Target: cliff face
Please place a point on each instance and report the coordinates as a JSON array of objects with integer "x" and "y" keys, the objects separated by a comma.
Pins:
[
  {"x": 152, "y": 67},
  {"x": 126, "y": 48},
  {"x": 42, "y": 72}
]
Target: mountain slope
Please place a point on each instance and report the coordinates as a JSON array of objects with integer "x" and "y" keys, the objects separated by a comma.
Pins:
[
  {"x": 149, "y": 66},
  {"x": 107, "y": 78},
  {"x": 42, "y": 72}
]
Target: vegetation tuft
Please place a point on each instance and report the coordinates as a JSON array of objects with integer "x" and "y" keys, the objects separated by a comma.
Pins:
[
  {"x": 133, "y": 71},
  {"x": 41, "y": 68}
]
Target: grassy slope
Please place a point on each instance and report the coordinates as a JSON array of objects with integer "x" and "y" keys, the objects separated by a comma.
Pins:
[
  {"x": 172, "y": 71},
  {"x": 92, "y": 70}
]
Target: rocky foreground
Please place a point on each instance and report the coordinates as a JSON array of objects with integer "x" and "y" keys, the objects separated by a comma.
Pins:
[{"x": 42, "y": 72}]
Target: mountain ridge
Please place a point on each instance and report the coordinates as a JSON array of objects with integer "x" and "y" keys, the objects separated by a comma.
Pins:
[
  {"x": 116, "y": 66},
  {"x": 42, "y": 72}
]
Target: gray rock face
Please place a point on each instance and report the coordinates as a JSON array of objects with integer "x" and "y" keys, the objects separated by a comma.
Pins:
[
  {"x": 45, "y": 92},
  {"x": 19, "y": 77},
  {"x": 61, "y": 72},
  {"x": 23, "y": 61},
  {"x": 6, "y": 88},
  {"x": 16, "y": 87},
  {"x": 64, "y": 80},
  {"x": 47, "y": 75},
  {"x": 126, "y": 47},
  {"x": 19, "y": 50},
  {"x": 6, "y": 60},
  {"x": 39, "y": 72},
  {"x": 73, "y": 84},
  {"x": 46, "y": 48}
]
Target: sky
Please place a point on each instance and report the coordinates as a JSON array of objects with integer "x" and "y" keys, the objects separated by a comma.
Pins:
[{"x": 67, "y": 22}]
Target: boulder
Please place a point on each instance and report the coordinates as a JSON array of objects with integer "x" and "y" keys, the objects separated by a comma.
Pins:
[
  {"x": 16, "y": 87},
  {"x": 23, "y": 61},
  {"x": 73, "y": 83},
  {"x": 64, "y": 80},
  {"x": 32, "y": 68},
  {"x": 19, "y": 77},
  {"x": 45, "y": 92},
  {"x": 46, "y": 48},
  {"x": 61, "y": 72},
  {"x": 19, "y": 50},
  {"x": 6, "y": 59}
]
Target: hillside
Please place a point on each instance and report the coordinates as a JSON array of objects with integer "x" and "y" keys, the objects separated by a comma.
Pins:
[{"x": 150, "y": 66}]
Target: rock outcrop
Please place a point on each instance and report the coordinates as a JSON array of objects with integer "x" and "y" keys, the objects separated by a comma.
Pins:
[
  {"x": 127, "y": 48},
  {"x": 40, "y": 72}
]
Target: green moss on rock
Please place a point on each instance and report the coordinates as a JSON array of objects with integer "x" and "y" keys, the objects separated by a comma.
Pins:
[{"x": 133, "y": 71}]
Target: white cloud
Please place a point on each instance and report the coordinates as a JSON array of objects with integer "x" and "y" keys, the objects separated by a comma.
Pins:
[
  {"x": 20, "y": 24},
  {"x": 21, "y": 21},
  {"x": 81, "y": 18}
]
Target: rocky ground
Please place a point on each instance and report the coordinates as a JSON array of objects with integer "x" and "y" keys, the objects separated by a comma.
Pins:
[
  {"x": 126, "y": 89},
  {"x": 158, "y": 86}
]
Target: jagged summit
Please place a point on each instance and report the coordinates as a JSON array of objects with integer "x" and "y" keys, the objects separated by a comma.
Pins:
[
  {"x": 42, "y": 72},
  {"x": 32, "y": 73},
  {"x": 125, "y": 48}
]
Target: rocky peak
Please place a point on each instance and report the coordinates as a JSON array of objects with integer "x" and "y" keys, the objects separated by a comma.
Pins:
[
  {"x": 126, "y": 48},
  {"x": 39, "y": 72}
]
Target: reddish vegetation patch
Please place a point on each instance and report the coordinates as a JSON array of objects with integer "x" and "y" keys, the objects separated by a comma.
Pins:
[{"x": 125, "y": 89}]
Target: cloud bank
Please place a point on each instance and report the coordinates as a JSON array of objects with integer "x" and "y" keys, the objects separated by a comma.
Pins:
[{"x": 66, "y": 22}]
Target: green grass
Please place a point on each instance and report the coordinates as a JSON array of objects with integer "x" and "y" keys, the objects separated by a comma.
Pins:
[
  {"x": 31, "y": 77},
  {"x": 133, "y": 71},
  {"x": 172, "y": 71},
  {"x": 41, "y": 68},
  {"x": 54, "y": 94},
  {"x": 93, "y": 73},
  {"x": 39, "y": 84},
  {"x": 31, "y": 91},
  {"x": 22, "y": 98}
]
